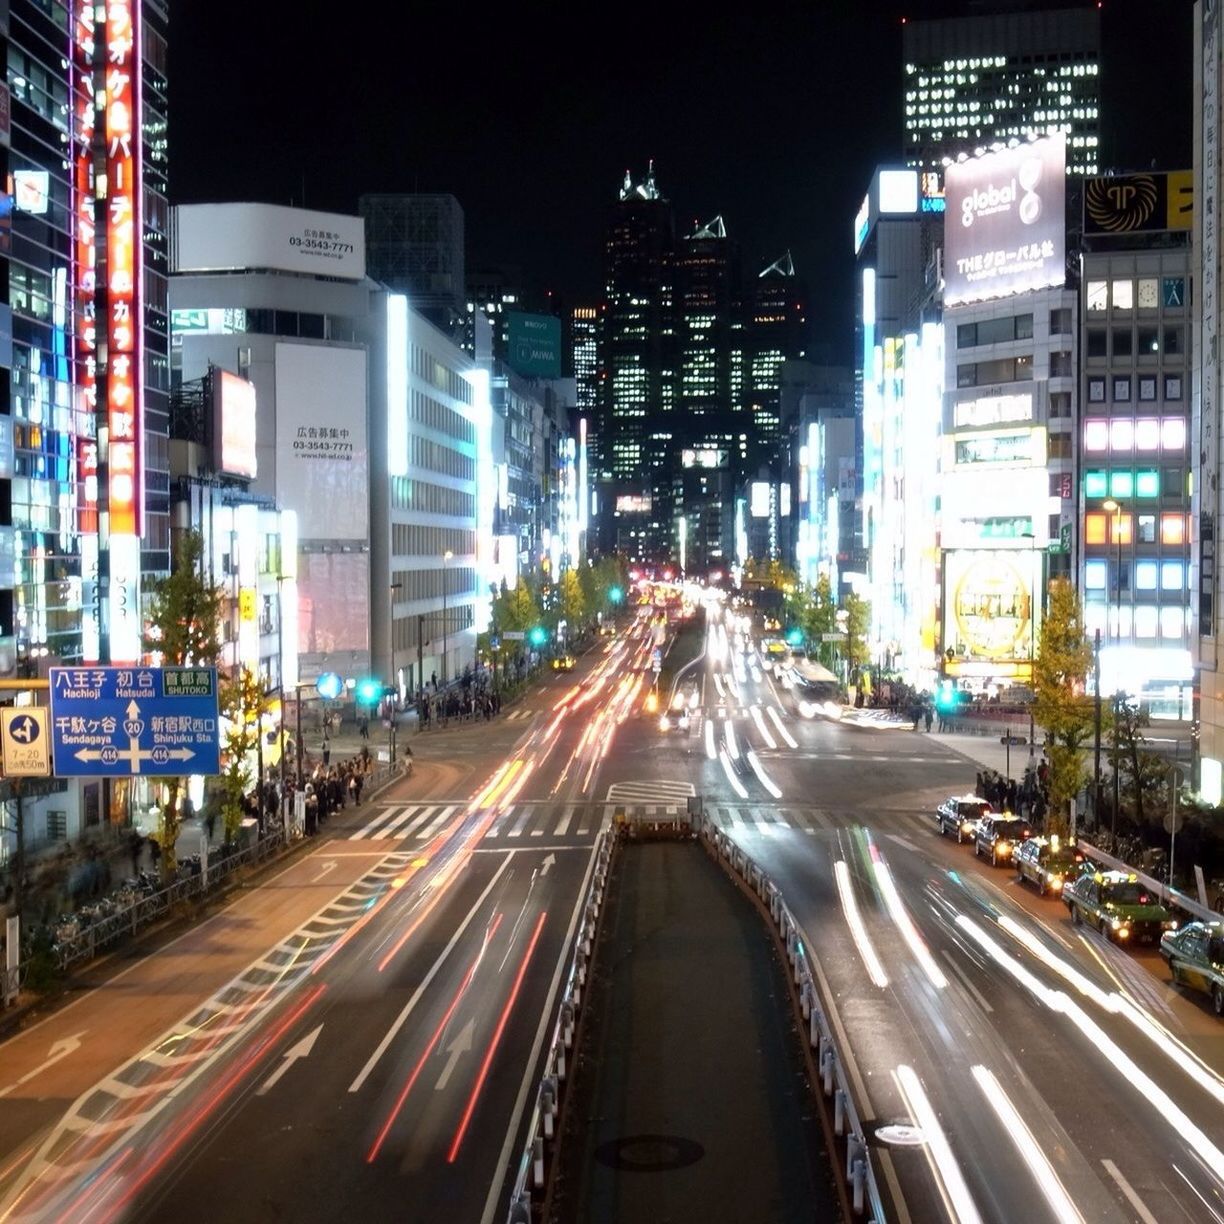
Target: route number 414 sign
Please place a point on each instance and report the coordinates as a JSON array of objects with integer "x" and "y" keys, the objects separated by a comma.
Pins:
[{"x": 121, "y": 721}]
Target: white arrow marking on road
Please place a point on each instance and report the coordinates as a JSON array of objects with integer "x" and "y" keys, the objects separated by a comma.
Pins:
[
  {"x": 330, "y": 865},
  {"x": 299, "y": 1050},
  {"x": 61, "y": 1049},
  {"x": 550, "y": 861},
  {"x": 461, "y": 1045}
]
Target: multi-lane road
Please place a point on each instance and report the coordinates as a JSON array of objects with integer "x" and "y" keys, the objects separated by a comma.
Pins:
[{"x": 361, "y": 1033}]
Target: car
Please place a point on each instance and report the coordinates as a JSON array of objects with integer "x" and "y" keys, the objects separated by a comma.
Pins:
[
  {"x": 1196, "y": 959},
  {"x": 960, "y": 815},
  {"x": 998, "y": 834},
  {"x": 563, "y": 663},
  {"x": 1047, "y": 862},
  {"x": 1118, "y": 905}
]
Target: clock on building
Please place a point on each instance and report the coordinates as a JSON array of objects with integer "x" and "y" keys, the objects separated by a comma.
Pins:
[{"x": 1149, "y": 299}]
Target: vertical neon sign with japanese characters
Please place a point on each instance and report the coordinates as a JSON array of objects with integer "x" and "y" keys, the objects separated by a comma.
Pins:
[
  {"x": 124, "y": 415},
  {"x": 85, "y": 322}
]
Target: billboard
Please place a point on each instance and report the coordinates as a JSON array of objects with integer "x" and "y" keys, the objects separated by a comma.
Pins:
[
  {"x": 333, "y": 603},
  {"x": 534, "y": 345},
  {"x": 991, "y": 611},
  {"x": 760, "y": 496},
  {"x": 1005, "y": 225},
  {"x": 633, "y": 503},
  {"x": 239, "y": 237},
  {"x": 233, "y": 425},
  {"x": 322, "y": 460},
  {"x": 1139, "y": 203}
]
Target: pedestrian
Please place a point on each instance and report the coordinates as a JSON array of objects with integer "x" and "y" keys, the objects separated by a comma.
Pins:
[
  {"x": 135, "y": 844},
  {"x": 357, "y": 785},
  {"x": 326, "y": 749},
  {"x": 210, "y": 821},
  {"x": 433, "y": 679},
  {"x": 928, "y": 717},
  {"x": 365, "y": 728}
]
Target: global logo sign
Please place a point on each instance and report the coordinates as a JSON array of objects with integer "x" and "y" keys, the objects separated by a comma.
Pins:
[{"x": 991, "y": 199}]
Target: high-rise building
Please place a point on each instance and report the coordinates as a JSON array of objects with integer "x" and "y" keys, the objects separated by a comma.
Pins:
[
  {"x": 586, "y": 344},
  {"x": 1004, "y": 77},
  {"x": 636, "y": 421},
  {"x": 414, "y": 245},
  {"x": 774, "y": 331}
]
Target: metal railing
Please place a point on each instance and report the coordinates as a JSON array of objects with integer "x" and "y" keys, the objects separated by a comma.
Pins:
[
  {"x": 531, "y": 1175},
  {"x": 830, "y": 1060},
  {"x": 1171, "y": 897}
]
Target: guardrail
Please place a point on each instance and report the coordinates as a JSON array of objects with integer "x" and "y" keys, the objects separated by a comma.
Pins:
[
  {"x": 1170, "y": 896},
  {"x": 532, "y": 1171},
  {"x": 858, "y": 1172}
]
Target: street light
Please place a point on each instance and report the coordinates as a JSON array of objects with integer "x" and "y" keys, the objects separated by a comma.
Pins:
[
  {"x": 1032, "y": 539},
  {"x": 395, "y": 586},
  {"x": 1112, "y": 507},
  {"x": 446, "y": 559}
]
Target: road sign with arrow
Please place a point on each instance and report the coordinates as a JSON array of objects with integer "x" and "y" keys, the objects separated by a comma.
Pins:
[
  {"x": 27, "y": 746},
  {"x": 119, "y": 721}
]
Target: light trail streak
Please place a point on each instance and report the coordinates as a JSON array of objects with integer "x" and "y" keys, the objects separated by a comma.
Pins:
[
  {"x": 951, "y": 1181},
  {"x": 494, "y": 1043},
  {"x": 736, "y": 785},
  {"x": 765, "y": 780},
  {"x": 782, "y": 731},
  {"x": 711, "y": 751},
  {"x": 1128, "y": 1070},
  {"x": 905, "y": 924},
  {"x": 1042, "y": 1170},
  {"x": 858, "y": 928},
  {"x": 732, "y": 746},
  {"x": 770, "y": 742}
]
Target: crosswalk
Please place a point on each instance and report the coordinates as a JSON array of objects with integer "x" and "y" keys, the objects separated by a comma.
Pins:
[
  {"x": 517, "y": 715},
  {"x": 524, "y": 823}
]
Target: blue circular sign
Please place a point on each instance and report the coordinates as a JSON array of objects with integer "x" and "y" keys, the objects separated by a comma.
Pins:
[{"x": 329, "y": 685}]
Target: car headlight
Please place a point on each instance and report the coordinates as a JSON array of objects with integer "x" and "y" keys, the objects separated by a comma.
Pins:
[
  {"x": 1003, "y": 848},
  {"x": 1056, "y": 881},
  {"x": 1171, "y": 925},
  {"x": 967, "y": 826},
  {"x": 664, "y": 723},
  {"x": 1114, "y": 924},
  {"x": 1123, "y": 933}
]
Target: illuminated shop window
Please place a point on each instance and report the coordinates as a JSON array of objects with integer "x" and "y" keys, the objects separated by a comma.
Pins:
[
  {"x": 1173, "y": 528},
  {"x": 1147, "y": 484},
  {"x": 1172, "y": 622},
  {"x": 1173, "y": 433},
  {"x": 1145, "y": 575},
  {"x": 1122, "y": 436},
  {"x": 1095, "y": 484},
  {"x": 1119, "y": 528},
  {"x": 1094, "y": 529},
  {"x": 1095, "y": 574},
  {"x": 1122, "y": 484},
  {"x": 1172, "y": 575},
  {"x": 1096, "y": 435},
  {"x": 1147, "y": 433}
]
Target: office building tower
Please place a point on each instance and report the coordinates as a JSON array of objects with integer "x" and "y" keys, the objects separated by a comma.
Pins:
[
  {"x": 636, "y": 420},
  {"x": 978, "y": 82},
  {"x": 414, "y": 246},
  {"x": 586, "y": 335},
  {"x": 774, "y": 331}
]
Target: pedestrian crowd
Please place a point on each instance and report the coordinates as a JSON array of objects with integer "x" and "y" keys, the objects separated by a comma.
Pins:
[
  {"x": 330, "y": 788},
  {"x": 474, "y": 697},
  {"x": 1030, "y": 797}
]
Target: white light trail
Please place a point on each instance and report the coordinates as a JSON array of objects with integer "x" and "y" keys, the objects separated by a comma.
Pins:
[
  {"x": 711, "y": 751},
  {"x": 957, "y": 1198},
  {"x": 905, "y": 924},
  {"x": 736, "y": 785},
  {"x": 732, "y": 746},
  {"x": 1129, "y": 1071},
  {"x": 782, "y": 731},
  {"x": 858, "y": 929},
  {"x": 1038, "y": 1165},
  {"x": 765, "y": 780},
  {"x": 757, "y": 718},
  {"x": 1119, "y": 1005},
  {"x": 719, "y": 686}
]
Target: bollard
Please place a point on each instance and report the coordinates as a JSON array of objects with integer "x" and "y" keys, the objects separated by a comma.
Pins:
[
  {"x": 548, "y": 1104},
  {"x": 826, "y": 1066},
  {"x": 839, "y": 1112},
  {"x": 805, "y": 1001},
  {"x": 813, "y": 1027},
  {"x": 567, "y": 1024},
  {"x": 537, "y": 1161},
  {"x": 858, "y": 1180},
  {"x": 561, "y": 1063},
  {"x": 520, "y": 1210},
  {"x": 854, "y": 1151}
]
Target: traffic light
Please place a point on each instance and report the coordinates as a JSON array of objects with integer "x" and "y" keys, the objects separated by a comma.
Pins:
[
  {"x": 538, "y": 636},
  {"x": 615, "y": 594},
  {"x": 946, "y": 697},
  {"x": 794, "y": 637},
  {"x": 369, "y": 690}
]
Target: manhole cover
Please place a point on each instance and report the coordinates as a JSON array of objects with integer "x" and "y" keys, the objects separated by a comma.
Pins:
[
  {"x": 649, "y": 1153},
  {"x": 901, "y": 1135}
]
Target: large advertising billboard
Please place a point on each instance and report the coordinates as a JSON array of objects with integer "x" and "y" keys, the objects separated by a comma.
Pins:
[
  {"x": 322, "y": 457},
  {"x": 333, "y": 604},
  {"x": 991, "y": 611},
  {"x": 534, "y": 344},
  {"x": 239, "y": 237},
  {"x": 1005, "y": 224},
  {"x": 1139, "y": 203}
]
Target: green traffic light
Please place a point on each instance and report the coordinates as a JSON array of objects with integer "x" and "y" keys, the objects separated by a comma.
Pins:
[
  {"x": 794, "y": 637},
  {"x": 538, "y": 636},
  {"x": 615, "y": 594},
  {"x": 369, "y": 691}
]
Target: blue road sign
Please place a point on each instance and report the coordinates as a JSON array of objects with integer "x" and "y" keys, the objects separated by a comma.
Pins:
[
  {"x": 115, "y": 722},
  {"x": 24, "y": 729}
]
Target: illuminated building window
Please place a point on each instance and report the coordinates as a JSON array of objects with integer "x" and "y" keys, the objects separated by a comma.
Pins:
[
  {"x": 1172, "y": 528},
  {"x": 1123, "y": 295},
  {"x": 1096, "y": 435},
  {"x": 1095, "y": 484},
  {"x": 1095, "y": 574},
  {"x": 1119, "y": 528},
  {"x": 1094, "y": 529},
  {"x": 1098, "y": 295},
  {"x": 1147, "y": 529},
  {"x": 1122, "y": 436},
  {"x": 1122, "y": 484},
  {"x": 1145, "y": 575},
  {"x": 1147, "y": 484},
  {"x": 1147, "y": 432},
  {"x": 1172, "y": 576},
  {"x": 1172, "y": 621},
  {"x": 1173, "y": 433},
  {"x": 1146, "y": 620}
]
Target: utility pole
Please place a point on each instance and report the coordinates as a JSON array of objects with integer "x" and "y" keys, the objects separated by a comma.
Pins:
[{"x": 1096, "y": 788}]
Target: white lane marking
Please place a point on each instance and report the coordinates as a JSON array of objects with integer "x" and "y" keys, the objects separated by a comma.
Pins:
[
  {"x": 494, "y": 1200},
  {"x": 762, "y": 777},
  {"x": 782, "y": 731},
  {"x": 963, "y": 978},
  {"x": 1131, "y": 1195},
  {"x": 398, "y": 1022},
  {"x": 436, "y": 824},
  {"x": 520, "y": 824},
  {"x": 902, "y": 841},
  {"x": 564, "y": 822},
  {"x": 367, "y": 829}
]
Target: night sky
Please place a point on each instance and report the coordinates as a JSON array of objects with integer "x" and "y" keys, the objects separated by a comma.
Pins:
[{"x": 773, "y": 115}]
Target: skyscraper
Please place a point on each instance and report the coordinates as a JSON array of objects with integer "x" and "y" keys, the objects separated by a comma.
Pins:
[
  {"x": 414, "y": 245},
  {"x": 775, "y": 330},
  {"x": 586, "y": 334},
  {"x": 1007, "y": 76}
]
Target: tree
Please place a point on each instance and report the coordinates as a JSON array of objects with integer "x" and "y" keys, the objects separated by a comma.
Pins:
[
  {"x": 1062, "y": 706},
  {"x": 820, "y": 617},
  {"x": 1142, "y": 773},
  {"x": 243, "y": 705},
  {"x": 184, "y": 628},
  {"x": 858, "y": 626},
  {"x": 573, "y": 605}
]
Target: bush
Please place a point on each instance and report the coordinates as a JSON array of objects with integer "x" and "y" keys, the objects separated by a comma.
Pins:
[{"x": 42, "y": 970}]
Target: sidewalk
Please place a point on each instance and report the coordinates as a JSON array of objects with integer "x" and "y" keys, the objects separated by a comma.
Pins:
[{"x": 987, "y": 751}]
